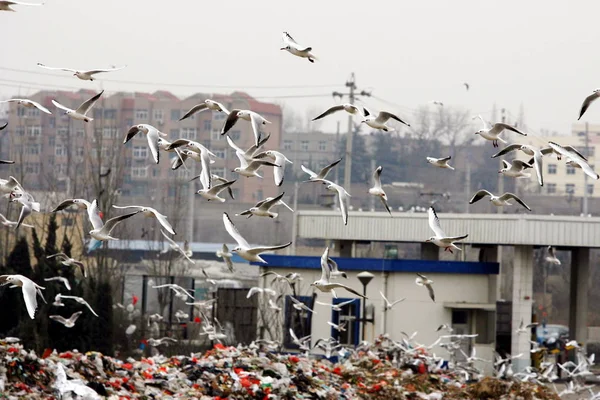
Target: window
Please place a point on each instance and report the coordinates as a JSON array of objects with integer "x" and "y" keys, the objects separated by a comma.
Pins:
[
  {"x": 60, "y": 150},
  {"x": 128, "y": 123},
  {"x": 79, "y": 151},
  {"x": 349, "y": 316},
  {"x": 106, "y": 151},
  {"x": 141, "y": 114},
  {"x": 51, "y": 141},
  {"x": 140, "y": 152},
  {"x": 215, "y": 134},
  {"x": 34, "y": 130},
  {"x": 182, "y": 173},
  {"x": 33, "y": 112},
  {"x": 207, "y": 125},
  {"x": 62, "y": 131},
  {"x": 188, "y": 133},
  {"x": 219, "y": 171},
  {"x": 258, "y": 194},
  {"x": 110, "y": 114},
  {"x": 61, "y": 169},
  {"x": 109, "y": 132},
  {"x": 590, "y": 189},
  {"x": 32, "y": 168},
  {"x": 20, "y": 131},
  {"x": 32, "y": 149},
  {"x": 552, "y": 169},
  {"x": 139, "y": 172},
  {"x": 235, "y": 135},
  {"x": 175, "y": 115},
  {"x": 570, "y": 188},
  {"x": 221, "y": 153},
  {"x": 174, "y": 133},
  {"x": 570, "y": 170},
  {"x": 80, "y": 132},
  {"x": 20, "y": 111},
  {"x": 322, "y": 145},
  {"x": 51, "y": 122},
  {"x": 304, "y": 145},
  {"x": 97, "y": 113},
  {"x": 158, "y": 115},
  {"x": 287, "y": 144},
  {"x": 218, "y": 116},
  {"x": 297, "y": 320},
  {"x": 551, "y": 188}
]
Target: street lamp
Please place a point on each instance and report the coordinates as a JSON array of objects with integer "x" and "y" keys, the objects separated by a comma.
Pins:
[{"x": 364, "y": 278}]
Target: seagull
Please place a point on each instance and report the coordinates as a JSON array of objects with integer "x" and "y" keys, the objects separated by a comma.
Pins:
[
  {"x": 440, "y": 239},
  {"x": 175, "y": 247},
  {"x": 498, "y": 200},
  {"x": 131, "y": 329},
  {"x": 422, "y": 280},
  {"x": 278, "y": 158},
  {"x": 29, "y": 288},
  {"x": 81, "y": 74},
  {"x": 588, "y": 101},
  {"x": 243, "y": 249},
  {"x": 467, "y": 86},
  {"x": 247, "y": 154},
  {"x": 298, "y": 305},
  {"x": 159, "y": 342},
  {"x": 68, "y": 323},
  {"x": 349, "y": 108},
  {"x": 102, "y": 230},
  {"x": 337, "y": 307},
  {"x": 226, "y": 255},
  {"x": 5, "y": 4},
  {"x": 69, "y": 262},
  {"x": 260, "y": 290},
  {"x": 150, "y": 212},
  {"x": 314, "y": 177},
  {"x": 438, "y": 103},
  {"x": 59, "y": 303},
  {"x": 551, "y": 258},
  {"x": 28, "y": 205},
  {"x": 377, "y": 190},
  {"x": 255, "y": 119},
  {"x": 207, "y": 105},
  {"x": 537, "y": 154},
  {"x": 440, "y": 162},
  {"x": 343, "y": 197},
  {"x": 292, "y": 47},
  {"x": 525, "y": 328},
  {"x": 515, "y": 169},
  {"x": 262, "y": 208},
  {"x": 388, "y": 305},
  {"x": 80, "y": 203},
  {"x": 10, "y": 185},
  {"x": 153, "y": 136},
  {"x": 218, "y": 179},
  {"x": 61, "y": 279},
  {"x": 378, "y": 122},
  {"x": 179, "y": 291},
  {"x": 82, "y": 110},
  {"x": 303, "y": 343},
  {"x": 80, "y": 300},
  {"x": 212, "y": 193},
  {"x": 273, "y": 306},
  {"x": 576, "y": 158},
  {"x": 9, "y": 224},
  {"x": 338, "y": 327},
  {"x": 335, "y": 272},
  {"x": 26, "y": 102},
  {"x": 445, "y": 327},
  {"x": 493, "y": 133},
  {"x": 324, "y": 284}
]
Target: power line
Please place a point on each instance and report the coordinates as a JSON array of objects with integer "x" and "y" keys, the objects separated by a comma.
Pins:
[{"x": 186, "y": 85}]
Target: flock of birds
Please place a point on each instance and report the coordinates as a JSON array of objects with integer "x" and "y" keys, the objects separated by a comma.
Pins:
[{"x": 251, "y": 161}]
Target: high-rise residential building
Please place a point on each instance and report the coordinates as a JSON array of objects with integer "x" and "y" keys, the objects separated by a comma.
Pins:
[
  {"x": 57, "y": 153},
  {"x": 314, "y": 150}
]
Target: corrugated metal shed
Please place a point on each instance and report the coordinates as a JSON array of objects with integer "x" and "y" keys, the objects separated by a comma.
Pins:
[{"x": 504, "y": 229}]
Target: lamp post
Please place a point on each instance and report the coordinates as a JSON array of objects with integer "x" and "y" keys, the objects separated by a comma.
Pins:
[{"x": 364, "y": 278}]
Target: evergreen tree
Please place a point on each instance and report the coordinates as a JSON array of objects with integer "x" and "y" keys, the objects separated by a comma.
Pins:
[
  {"x": 101, "y": 335},
  {"x": 66, "y": 245},
  {"x": 51, "y": 247},
  {"x": 38, "y": 251}
]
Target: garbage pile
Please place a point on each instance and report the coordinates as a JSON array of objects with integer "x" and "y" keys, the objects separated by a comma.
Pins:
[{"x": 227, "y": 372}]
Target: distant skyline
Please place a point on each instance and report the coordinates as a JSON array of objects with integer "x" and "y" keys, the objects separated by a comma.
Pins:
[{"x": 536, "y": 54}]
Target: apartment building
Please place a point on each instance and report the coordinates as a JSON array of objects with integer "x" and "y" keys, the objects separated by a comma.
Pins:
[
  {"x": 57, "y": 153},
  {"x": 314, "y": 150}
]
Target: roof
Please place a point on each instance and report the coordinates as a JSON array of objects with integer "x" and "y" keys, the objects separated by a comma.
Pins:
[
  {"x": 471, "y": 306},
  {"x": 382, "y": 265}
]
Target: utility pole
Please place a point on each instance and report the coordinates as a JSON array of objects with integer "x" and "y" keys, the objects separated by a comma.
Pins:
[
  {"x": 585, "y": 177},
  {"x": 501, "y": 176},
  {"x": 351, "y": 84}
]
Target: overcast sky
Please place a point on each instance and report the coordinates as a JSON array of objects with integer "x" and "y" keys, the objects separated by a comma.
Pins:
[{"x": 542, "y": 54}]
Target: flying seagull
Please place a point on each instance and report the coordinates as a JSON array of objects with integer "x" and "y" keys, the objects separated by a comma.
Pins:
[
  {"x": 68, "y": 323},
  {"x": 243, "y": 249},
  {"x": 440, "y": 239},
  {"x": 525, "y": 328},
  {"x": 82, "y": 74},
  {"x": 5, "y": 4},
  {"x": 343, "y": 197},
  {"x": 530, "y": 150},
  {"x": 212, "y": 193},
  {"x": 254, "y": 118},
  {"x": 226, "y": 255},
  {"x": 319, "y": 177},
  {"x": 61, "y": 279},
  {"x": 279, "y": 159},
  {"x": 82, "y": 110},
  {"x": 291, "y": 46},
  {"x": 28, "y": 104},
  {"x": 80, "y": 300},
  {"x": 153, "y": 136},
  {"x": 440, "y": 162},
  {"x": 349, "y": 108},
  {"x": 467, "y": 86},
  {"x": 206, "y": 105},
  {"x": 263, "y": 207},
  {"x": 69, "y": 262},
  {"x": 378, "y": 122},
  {"x": 150, "y": 212},
  {"x": 422, "y": 280},
  {"x": 493, "y": 133},
  {"x": 388, "y": 305},
  {"x": 588, "y": 101},
  {"x": 102, "y": 230},
  {"x": 2, "y": 128},
  {"x": 377, "y": 189},
  {"x": 29, "y": 288},
  {"x": 250, "y": 168},
  {"x": 325, "y": 285},
  {"x": 175, "y": 247},
  {"x": 515, "y": 169},
  {"x": 259, "y": 290},
  {"x": 576, "y": 158},
  {"x": 551, "y": 258},
  {"x": 10, "y": 224},
  {"x": 28, "y": 205},
  {"x": 499, "y": 201},
  {"x": 298, "y": 305}
]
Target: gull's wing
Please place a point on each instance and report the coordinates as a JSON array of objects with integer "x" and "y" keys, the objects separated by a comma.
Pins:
[
  {"x": 233, "y": 145},
  {"x": 252, "y": 291},
  {"x": 586, "y": 104},
  {"x": 205, "y": 175},
  {"x": 64, "y": 280},
  {"x": 576, "y": 158},
  {"x": 194, "y": 110},
  {"x": 485, "y": 124},
  {"x": 507, "y": 149},
  {"x": 289, "y": 39},
  {"x": 445, "y": 159},
  {"x": 434, "y": 223},
  {"x": 59, "y": 318},
  {"x": 29, "y": 295},
  {"x": 571, "y": 148},
  {"x": 58, "y": 105},
  {"x": 111, "y": 223},
  {"x": 479, "y": 195},
  {"x": 171, "y": 241},
  {"x": 230, "y": 121},
  {"x": 522, "y": 164},
  {"x": 500, "y": 126},
  {"x": 513, "y": 196},
  {"x": 325, "y": 271},
  {"x": 293, "y": 335},
  {"x": 387, "y": 303},
  {"x": 329, "y": 112},
  {"x": 343, "y": 197},
  {"x": 323, "y": 173},
  {"x": 152, "y": 137},
  {"x": 506, "y": 164},
  {"x": 456, "y": 238},
  {"x": 385, "y": 204},
  {"x": 377, "y": 177},
  {"x": 86, "y": 105},
  {"x": 99, "y": 70},
  {"x": 55, "y": 68},
  {"x": 538, "y": 165},
  {"x": 3, "y": 126},
  {"x": 267, "y": 204},
  {"x": 340, "y": 285},
  {"x": 222, "y": 107},
  {"x": 139, "y": 208},
  {"x": 68, "y": 203},
  {"x": 134, "y": 130},
  {"x": 233, "y": 232},
  {"x": 258, "y": 250},
  {"x": 162, "y": 220},
  {"x": 430, "y": 290},
  {"x": 310, "y": 172},
  {"x": 219, "y": 188},
  {"x": 551, "y": 251},
  {"x": 384, "y": 116},
  {"x": 255, "y": 127},
  {"x": 25, "y": 211},
  {"x": 88, "y": 306}
]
